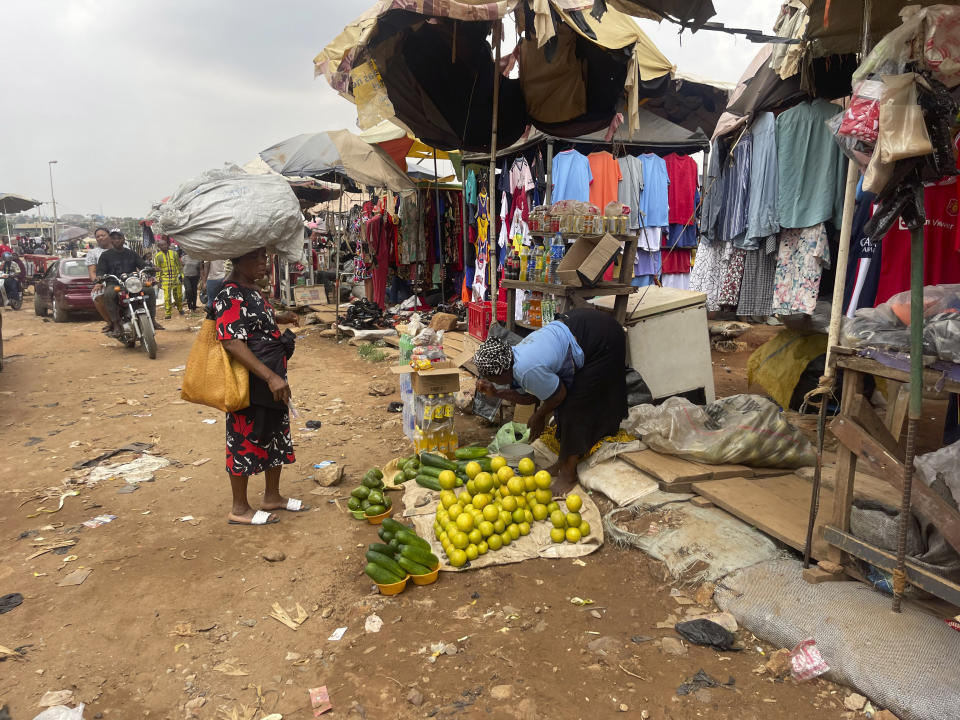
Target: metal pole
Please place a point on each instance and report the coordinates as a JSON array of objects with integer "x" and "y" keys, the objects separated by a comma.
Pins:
[
  {"x": 53, "y": 240},
  {"x": 340, "y": 227},
  {"x": 463, "y": 226},
  {"x": 436, "y": 203},
  {"x": 916, "y": 401},
  {"x": 491, "y": 183},
  {"x": 6, "y": 219},
  {"x": 549, "y": 191}
]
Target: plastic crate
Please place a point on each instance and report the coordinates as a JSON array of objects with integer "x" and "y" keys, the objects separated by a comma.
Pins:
[{"x": 479, "y": 315}]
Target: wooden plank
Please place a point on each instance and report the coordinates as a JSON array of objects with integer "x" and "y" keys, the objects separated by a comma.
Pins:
[
  {"x": 868, "y": 418},
  {"x": 897, "y": 409},
  {"x": 846, "y": 467},
  {"x": 392, "y": 340},
  {"x": 719, "y": 472},
  {"x": 674, "y": 474},
  {"x": 770, "y": 472},
  {"x": 817, "y": 575},
  {"x": 918, "y": 576},
  {"x": 931, "y": 378},
  {"x": 777, "y": 506},
  {"x": 924, "y": 500}
]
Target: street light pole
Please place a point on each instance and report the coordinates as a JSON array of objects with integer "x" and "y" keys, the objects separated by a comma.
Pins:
[{"x": 53, "y": 240}]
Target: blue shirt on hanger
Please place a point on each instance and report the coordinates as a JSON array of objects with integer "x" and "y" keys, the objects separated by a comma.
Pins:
[
  {"x": 654, "y": 203},
  {"x": 572, "y": 176}
]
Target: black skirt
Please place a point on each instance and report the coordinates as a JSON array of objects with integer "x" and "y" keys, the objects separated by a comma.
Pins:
[{"x": 596, "y": 402}]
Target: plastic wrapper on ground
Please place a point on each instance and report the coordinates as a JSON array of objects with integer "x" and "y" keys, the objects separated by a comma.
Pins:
[{"x": 740, "y": 429}]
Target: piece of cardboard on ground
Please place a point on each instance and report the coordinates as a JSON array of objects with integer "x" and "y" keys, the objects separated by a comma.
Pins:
[
  {"x": 421, "y": 505},
  {"x": 780, "y": 506},
  {"x": 312, "y": 295}
]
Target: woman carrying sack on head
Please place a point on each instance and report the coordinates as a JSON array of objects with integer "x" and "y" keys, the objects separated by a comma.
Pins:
[{"x": 258, "y": 437}]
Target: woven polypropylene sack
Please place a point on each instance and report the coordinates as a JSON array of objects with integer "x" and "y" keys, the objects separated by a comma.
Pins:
[
  {"x": 225, "y": 213},
  {"x": 905, "y": 662}
]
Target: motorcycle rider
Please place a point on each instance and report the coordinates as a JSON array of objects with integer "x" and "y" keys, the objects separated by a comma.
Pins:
[
  {"x": 15, "y": 275},
  {"x": 104, "y": 243},
  {"x": 120, "y": 260}
]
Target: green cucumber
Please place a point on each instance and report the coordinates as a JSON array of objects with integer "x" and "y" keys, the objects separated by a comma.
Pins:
[
  {"x": 438, "y": 461},
  {"x": 414, "y": 568},
  {"x": 419, "y": 555},
  {"x": 386, "y": 562},
  {"x": 484, "y": 463},
  {"x": 428, "y": 481},
  {"x": 375, "y": 510},
  {"x": 394, "y": 545},
  {"x": 392, "y": 525},
  {"x": 360, "y": 492},
  {"x": 399, "y": 478},
  {"x": 383, "y": 533},
  {"x": 408, "y": 474},
  {"x": 381, "y": 548},
  {"x": 430, "y": 470},
  {"x": 471, "y": 452},
  {"x": 410, "y": 538},
  {"x": 381, "y": 575}
]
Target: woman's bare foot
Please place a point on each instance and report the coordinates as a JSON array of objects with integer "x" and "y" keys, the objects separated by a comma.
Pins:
[
  {"x": 246, "y": 517},
  {"x": 278, "y": 502}
]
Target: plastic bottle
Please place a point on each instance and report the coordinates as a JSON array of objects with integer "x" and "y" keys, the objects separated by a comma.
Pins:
[
  {"x": 523, "y": 263},
  {"x": 525, "y": 318},
  {"x": 429, "y": 403},
  {"x": 535, "y": 310},
  {"x": 532, "y": 265},
  {"x": 538, "y": 265},
  {"x": 556, "y": 255}
]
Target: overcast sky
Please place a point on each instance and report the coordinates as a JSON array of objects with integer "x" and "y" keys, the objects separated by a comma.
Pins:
[{"x": 132, "y": 98}]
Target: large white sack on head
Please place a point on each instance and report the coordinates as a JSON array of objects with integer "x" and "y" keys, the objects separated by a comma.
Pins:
[{"x": 226, "y": 213}]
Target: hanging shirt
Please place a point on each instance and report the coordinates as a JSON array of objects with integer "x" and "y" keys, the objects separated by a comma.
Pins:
[
  {"x": 863, "y": 266},
  {"x": 737, "y": 192},
  {"x": 606, "y": 178},
  {"x": 628, "y": 191},
  {"x": 470, "y": 189},
  {"x": 762, "y": 207},
  {"x": 941, "y": 262},
  {"x": 545, "y": 358},
  {"x": 676, "y": 261},
  {"x": 571, "y": 176},
  {"x": 682, "y": 171},
  {"x": 654, "y": 201},
  {"x": 681, "y": 236},
  {"x": 647, "y": 263},
  {"x": 712, "y": 197},
  {"x": 811, "y": 167},
  {"x": 520, "y": 175}
]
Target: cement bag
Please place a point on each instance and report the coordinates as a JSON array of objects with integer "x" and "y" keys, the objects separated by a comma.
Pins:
[
  {"x": 740, "y": 429},
  {"x": 226, "y": 213}
]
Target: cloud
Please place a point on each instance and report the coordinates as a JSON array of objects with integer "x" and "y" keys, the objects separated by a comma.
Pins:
[{"x": 133, "y": 98}]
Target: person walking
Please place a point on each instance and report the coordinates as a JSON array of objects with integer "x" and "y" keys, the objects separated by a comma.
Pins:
[
  {"x": 167, "y": 262},
  {"x": 104, "y": 243},
  {"x": 191, "y": 279},
  {"x": 211, "y": 279},
  {"x": 258, "y": 437}
]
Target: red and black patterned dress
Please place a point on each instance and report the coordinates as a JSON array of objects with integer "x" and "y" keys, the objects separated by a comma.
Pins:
[{"x": 244, "y": 314}]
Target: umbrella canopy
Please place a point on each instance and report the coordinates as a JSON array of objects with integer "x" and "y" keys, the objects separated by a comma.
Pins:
[
  {"x": 10, "y": 203},
  {"x": 336, "y": 153},
  {"x": 690, "y": 13},
  {"x": 72, "y": 233},
  {"x": 574, "y": 71}
]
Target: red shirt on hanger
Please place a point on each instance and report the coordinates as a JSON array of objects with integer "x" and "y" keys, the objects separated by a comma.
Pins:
[{"x": 681, "y": 192}]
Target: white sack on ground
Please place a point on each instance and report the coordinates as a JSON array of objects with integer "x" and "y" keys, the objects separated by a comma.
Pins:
[{"x": 226, "y": 213}]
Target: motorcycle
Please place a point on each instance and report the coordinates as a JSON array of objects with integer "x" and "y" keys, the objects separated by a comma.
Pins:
[
  {"x": 136, "y": 322},
  {"x": 14, "y": 301}
]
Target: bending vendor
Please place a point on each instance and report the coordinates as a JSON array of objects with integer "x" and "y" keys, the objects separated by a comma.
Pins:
[{"x": 575, "y": 368}]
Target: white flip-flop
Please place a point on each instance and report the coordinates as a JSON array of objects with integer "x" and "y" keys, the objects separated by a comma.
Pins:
[
  {"x": 295, "y": 505},
  {"x": 260, "y": 517}
]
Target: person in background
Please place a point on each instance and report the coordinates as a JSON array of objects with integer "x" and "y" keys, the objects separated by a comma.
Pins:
[
  {"x": 5, "y": 246},
  {"x": 398, "y": 287},
  {"x": 258, "y": 437},
  {"x": 16, "y": 275},
  {"x": 211, "y": 278},
  {"x": 118, "y": 261},
  {"x": 102, "y": 236},
  {"x": 170, "y": 273},
  {"x": 574, "y": 368},
  {"x": 191, "y": 279}
]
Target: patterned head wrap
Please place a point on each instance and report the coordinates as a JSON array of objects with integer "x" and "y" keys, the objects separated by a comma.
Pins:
[{"x": 493, "y": 357}]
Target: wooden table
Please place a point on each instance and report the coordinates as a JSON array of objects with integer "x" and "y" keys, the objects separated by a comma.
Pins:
[{"x": 865, "y": 438}]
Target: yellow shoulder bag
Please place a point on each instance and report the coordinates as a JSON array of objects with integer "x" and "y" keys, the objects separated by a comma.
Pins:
[{"x": 213, "y": 377}]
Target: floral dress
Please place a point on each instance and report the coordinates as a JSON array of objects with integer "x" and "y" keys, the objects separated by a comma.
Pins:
[
  {"x": 804, "y": 253},
  {"x": 244, "y": 314}
]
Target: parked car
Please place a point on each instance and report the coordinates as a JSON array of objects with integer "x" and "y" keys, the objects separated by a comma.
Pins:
[{"x": 63, "y": 290}]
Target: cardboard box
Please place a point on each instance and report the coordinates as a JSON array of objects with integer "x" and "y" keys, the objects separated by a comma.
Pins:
[
  {"x": 431, "y": 382},
  {"x": 586, "y": 260},
  {"x": 309, "y": 295}
]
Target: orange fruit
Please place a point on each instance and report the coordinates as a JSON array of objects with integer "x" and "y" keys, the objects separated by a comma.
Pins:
[
  {"x": 459, "y": 540},
  {"x": 557, "y": 535},
  {"x": 543, "y": 496},
  {"x": 558, "y": 519},
  {"x": 543, "y": 479},
  {"x": 552, "y": 505},
  {"x": 470, "y": 487},
  {"x": 539, "y": 512},
  {"x": 490, "y": 512},
  {"x": 527, "y": 515},
  {"x": 524, "y": 528},
  {"x": 518, "y": 515},
  {"x": 471, "y": 552},
  {"x": 499, "y": 526},
  {"x": 506, "y": 537},
  {"x": 458, "y": 558},
  {"x": 509, "y": 503},
  {"x": 584, "y": 528},
  {"x": 505, "y": 473},
  {"x": 529, "y": 484},
  {"x": 498, "y": 462},
  {"x": 573, "y": 535},
  {"x": 526, "y": 466},
  {"x": 465, "y": 522},
  {"x": 447, "y": 480},
  {"x": 454, "y": 511},
  {"x": 464, "y": 498},
  {"x": 485, "y": 528},
  {"x": 513, "y": 530},
  {"x": 483, "y": 482},
  {"x": 573, "y": 519},
  {"x": 515, "y": 485},
  {"x": 482, "y": 547},
  {"x": 473, "y": 469},
  {"x": 447, "y": 498},
  {"x": 475, "y": 536},
  {"x": 574, "y": 503},
  {"x": 494, "y": 542}
]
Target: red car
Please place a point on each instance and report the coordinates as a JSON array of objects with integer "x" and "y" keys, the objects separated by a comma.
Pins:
[{"x": 64, "y": 289}]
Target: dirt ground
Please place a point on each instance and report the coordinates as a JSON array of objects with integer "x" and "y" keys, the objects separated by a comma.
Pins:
[{"x": 173, "y": 621}]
